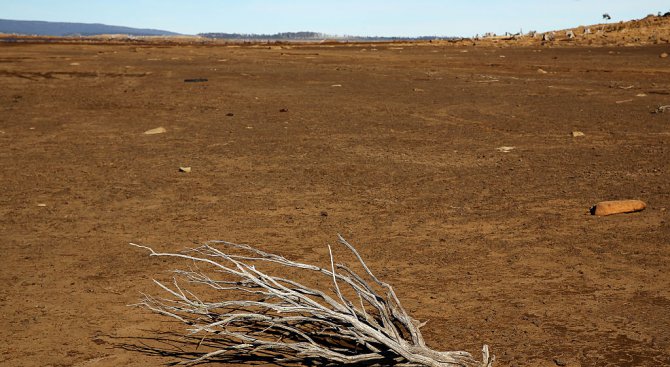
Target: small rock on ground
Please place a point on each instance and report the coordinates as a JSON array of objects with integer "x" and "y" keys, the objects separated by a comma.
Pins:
[
  {"x": 505, "y": 149},
  {"x": 158, "y": 130},
  {"x": 604, "y": 208}
]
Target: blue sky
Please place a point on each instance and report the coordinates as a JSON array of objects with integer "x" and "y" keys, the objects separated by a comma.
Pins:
[{"x": 343, "y": 17}]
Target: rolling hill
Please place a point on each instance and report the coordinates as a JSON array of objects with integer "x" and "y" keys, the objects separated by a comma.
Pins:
[{"x": 40, "y": 28}]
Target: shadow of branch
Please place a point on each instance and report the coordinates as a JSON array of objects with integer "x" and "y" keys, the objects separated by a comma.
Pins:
[{"x": 184, "y": 349}]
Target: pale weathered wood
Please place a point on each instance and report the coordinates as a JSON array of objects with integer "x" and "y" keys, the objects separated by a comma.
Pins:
[{"x": 373, "y": 329}]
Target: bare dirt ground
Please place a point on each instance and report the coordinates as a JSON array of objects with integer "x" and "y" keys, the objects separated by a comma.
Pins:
[
  {"x": 650, "y": 30},
  {"x": 394, "y": 147}
]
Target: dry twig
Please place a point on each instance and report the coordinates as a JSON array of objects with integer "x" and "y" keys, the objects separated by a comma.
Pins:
[{"x": 359, "y": 322}]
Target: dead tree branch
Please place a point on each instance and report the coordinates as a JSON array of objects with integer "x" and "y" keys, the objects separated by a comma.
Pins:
[{"x": 358, "y": 322}]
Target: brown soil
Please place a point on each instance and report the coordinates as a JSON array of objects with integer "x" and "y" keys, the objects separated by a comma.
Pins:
[
  {"x": 402, "y": 159},
  {"x": 651, "y": 30}
]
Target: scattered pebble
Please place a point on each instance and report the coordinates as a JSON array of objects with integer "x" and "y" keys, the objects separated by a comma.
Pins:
[
  {"x": 74, "y": 64},
  {"x": 560, "y": 362},
  {"x": 158, "y": 130},
  {"x": 336, "y": 85},
  {"x": 576, "y": 134},
  {"x": 663, "y": 55},
  {"x": 505, "y": 149},
  {"x": 42, "y": 205},
  {"x": 230, "y": 114},
  {"x": 324, "y": 213},
  {"x": 640, "y": 95},
  {"x": 185, "y": 169},
  {"x": 284, "y": 110},
  {"x": 624, "y": 101},
  {"x": 617, "y": 207},
  {"x": 541, "y": 71},
  {"x": 418, "y": 90}
]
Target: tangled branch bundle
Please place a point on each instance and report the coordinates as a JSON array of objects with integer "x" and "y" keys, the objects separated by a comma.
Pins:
[{"x": 360, "y": 321}]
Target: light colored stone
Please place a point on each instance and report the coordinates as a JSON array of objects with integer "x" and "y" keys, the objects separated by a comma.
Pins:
[
  {"x": 505, "y": 149},
  {"x": 663, "y": 55},
  {"x": 618, "y": 207},
  {"x": 541, "y": 71},
  {"x": 576, "y": 134},
  {"x": 185, "y": 169},
  {"x": 158, "y": 130}
]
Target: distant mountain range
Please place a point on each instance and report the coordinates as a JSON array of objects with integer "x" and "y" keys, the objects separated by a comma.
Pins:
[
  {"x": 276, "y": 36},
  {"x": 39, "y": 28},
  {"x": 58, "y": 29},
  {"x": 310, "y": 36}
]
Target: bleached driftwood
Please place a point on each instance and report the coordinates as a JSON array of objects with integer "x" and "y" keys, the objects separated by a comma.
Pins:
[{"x": 357, "y": 322}]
